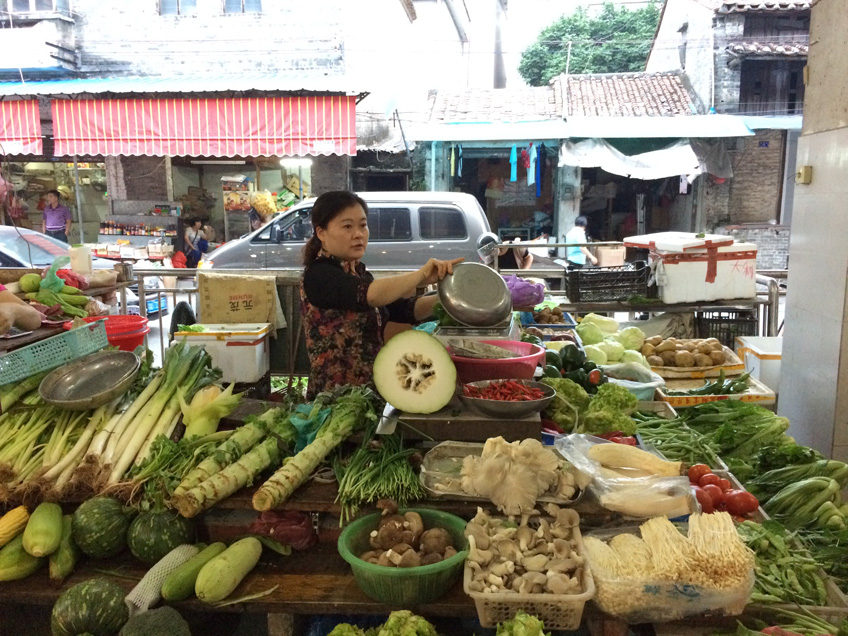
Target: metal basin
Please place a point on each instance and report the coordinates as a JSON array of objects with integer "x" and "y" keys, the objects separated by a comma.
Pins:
[
  {"x": 91, "y": 381},
  {"x": 475, "y": 295},
  {"x": 503, "y": 409}
]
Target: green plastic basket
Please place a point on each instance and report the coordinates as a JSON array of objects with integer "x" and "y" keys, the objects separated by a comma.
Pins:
[
  {"x": 404, "y": 587},
  {"x": 53, "y": 352}
]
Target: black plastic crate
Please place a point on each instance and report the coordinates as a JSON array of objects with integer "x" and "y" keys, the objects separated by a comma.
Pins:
[
  {"x": 726, "y": 325},
  {"x": 600, "y": 284}
]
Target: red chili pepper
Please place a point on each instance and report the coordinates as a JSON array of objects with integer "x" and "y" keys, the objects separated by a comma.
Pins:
[{"x": 627, "y": 440}]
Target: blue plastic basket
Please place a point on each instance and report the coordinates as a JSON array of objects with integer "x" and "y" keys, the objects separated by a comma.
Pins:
[{"x": 53, "y": 352}]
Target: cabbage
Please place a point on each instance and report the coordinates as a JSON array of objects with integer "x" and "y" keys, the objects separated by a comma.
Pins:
[
  {"x": 590, "y": 333},
  {"x": 523, "y": 292},
  {"x": 631, "y": 338},
  {"x": 610, "y": 325},
  {"x": 612, "y": 348},
  {"x": 595, "y": 354},
  {"x": 634, "y": 356}
]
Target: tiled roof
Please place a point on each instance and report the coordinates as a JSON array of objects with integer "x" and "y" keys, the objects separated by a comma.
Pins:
[
  {"x": 755, "y": 49},
  {"x": 735, "y": 6},
  {"x": 626, "y": 95},
  {"x": 496, "y": 105}
]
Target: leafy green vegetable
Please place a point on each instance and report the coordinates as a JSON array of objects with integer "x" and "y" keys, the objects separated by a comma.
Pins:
[
  {"x": 523, "y": 624},
  {"x": 570, "y": 401},
  {"x": 604, "y": 323},
  {"x": 630, "y": 355},
  {"x": 194, "y": 328},
  {"x": 631, "y": 338},
  {"x": 612, "y": 348},
  {"x": 346, "y": 629},
  {"x": 772, "y": 457},
  {"x": 595, "y": 354},
  {"x": 590, "y": 333},
  {"x": 610, "y": 410},
  {"x": 405, "y": 623}
]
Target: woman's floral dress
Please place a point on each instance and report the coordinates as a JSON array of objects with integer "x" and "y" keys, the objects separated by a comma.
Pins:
[{"x": 343, "y": 333}]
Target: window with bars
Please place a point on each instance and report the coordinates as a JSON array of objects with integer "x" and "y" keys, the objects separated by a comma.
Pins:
[
  {"x": 242, "y": 6},
  {"x": 40, "y": 6},
  {"x": 177, "y": 7}
]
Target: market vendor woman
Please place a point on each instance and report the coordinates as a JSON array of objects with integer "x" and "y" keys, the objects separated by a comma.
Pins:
[{"x": 344, "y": 309}]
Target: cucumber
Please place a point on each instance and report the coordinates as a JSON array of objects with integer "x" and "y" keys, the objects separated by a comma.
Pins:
[
  {"x": 179, "y": 584},
  {"x": 220, "y": 576}
]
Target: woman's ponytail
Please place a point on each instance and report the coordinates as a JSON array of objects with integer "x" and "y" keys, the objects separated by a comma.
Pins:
[{"x": 311, "y": 249}]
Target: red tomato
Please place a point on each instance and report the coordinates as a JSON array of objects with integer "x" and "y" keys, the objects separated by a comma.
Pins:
[
  {"x": 740, "y": 502},
  {"x": 710, "y": 478},
  {"x": 724, "y": 484},
  {"x": 703, "y": 499},
  {"x": 697, "y": 471},
  {"x": 594, "y": 376},
  {"x": 715, "y": 493}
]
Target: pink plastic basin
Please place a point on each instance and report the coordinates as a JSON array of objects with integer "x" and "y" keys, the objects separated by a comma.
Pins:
[{"x": 521, "y": 368}]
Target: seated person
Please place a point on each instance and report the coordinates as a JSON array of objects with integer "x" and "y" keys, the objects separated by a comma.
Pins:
[
  {"x": 514, "y": 257},
  {"x": 14, "y": 312}
]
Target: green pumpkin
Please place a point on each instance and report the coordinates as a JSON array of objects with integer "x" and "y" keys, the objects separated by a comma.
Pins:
[
  {"x": 155, "y": 533},
  {"x": 99, "y": 527},
  {"x": 95, "y": 607}
]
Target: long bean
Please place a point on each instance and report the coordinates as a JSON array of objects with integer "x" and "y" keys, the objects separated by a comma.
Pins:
[{"x": 678, "y": 442}]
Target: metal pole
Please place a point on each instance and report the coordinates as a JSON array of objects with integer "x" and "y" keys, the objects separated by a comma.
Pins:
[
  {"x": 773, "y": 303},
  {"x": 79, "y": 200},
  {"x": 300, "y": 180}
]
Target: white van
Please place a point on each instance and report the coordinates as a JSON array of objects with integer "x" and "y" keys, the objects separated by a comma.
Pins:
[{"x": 406, "y": 229}]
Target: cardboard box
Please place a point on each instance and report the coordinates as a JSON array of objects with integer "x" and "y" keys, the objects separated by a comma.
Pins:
[
  {"x": 610, "y": 256},
  {"x": 127, "y": 251},
  {"x": 140, "y": 252},
  {"x": 113, "y": 250},
  {"x": 236, "y": 298}
]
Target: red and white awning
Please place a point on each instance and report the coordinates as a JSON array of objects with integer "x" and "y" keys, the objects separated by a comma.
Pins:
[
  {"x": 20, "y": 127},
  {"x": 225, "y": 127}
]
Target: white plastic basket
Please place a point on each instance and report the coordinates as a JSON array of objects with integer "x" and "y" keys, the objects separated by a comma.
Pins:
[{"x": 556, "y": 611}]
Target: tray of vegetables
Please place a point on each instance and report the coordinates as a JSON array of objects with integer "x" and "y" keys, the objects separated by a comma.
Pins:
[{"x": 681, "y": 393}]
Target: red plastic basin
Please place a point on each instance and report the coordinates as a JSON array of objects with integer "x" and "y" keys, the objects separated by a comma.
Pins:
[
  {"x": 124, "y": 332},
  {"x": 521, "y": 368}
]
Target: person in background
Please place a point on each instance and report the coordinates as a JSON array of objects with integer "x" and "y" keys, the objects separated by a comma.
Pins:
[
  {"x": 344, "y": 308},
  {"x": 56, "y": 219},
  {"x": 193, "y": 235},
  {"x": 255, "y": 218},
  {"x": 14, "y": 312},
  {"x": 514, "y": 257},
  {"x": 576, "y": 256}
]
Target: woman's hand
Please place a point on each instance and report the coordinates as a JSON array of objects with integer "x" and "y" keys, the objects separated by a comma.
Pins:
[
  {"x": 435, "y": 270},
  {"x": 7, "y": 319}
]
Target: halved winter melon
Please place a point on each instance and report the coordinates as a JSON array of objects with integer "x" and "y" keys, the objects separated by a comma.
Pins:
[{"x": 414, "y": 373}]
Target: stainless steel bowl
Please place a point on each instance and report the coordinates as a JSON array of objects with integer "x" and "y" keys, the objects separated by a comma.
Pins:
[
  {"x": 91, "y": 381},
  {"x": 475, "y": 295},
  {"x": 504, "y": 409}
]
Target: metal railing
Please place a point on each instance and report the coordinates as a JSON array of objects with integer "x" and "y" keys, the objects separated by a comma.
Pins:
[{"x": 288, "y": 286}]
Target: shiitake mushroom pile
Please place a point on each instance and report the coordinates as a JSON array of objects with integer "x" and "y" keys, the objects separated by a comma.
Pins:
[{"x": 401, "y": 540}]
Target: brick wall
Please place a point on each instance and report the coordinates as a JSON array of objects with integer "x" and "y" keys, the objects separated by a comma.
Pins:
[
  {"x": 757, "y": 176},
  {"x": 772, "y": 243},
  {"x": 330, "y": 173},
  {"x": 728, "y": 28}
]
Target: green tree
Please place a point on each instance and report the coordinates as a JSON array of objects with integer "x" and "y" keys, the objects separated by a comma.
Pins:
[{"x": 616, "y": 40}]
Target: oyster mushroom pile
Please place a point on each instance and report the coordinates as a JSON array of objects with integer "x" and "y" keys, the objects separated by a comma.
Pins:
[
  {"x": 523, "y": 559},
  {"x": 401, "y": 540}
]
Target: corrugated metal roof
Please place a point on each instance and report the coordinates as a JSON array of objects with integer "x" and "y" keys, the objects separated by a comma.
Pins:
[
  {"x": 627, "y": 95},
  {"x": 757, "y": 49},
  {"x": 737, "y": 6},
  {"x": 182, "y": 84}
]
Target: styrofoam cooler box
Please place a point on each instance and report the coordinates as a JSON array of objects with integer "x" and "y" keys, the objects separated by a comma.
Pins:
[
  {"x": 240, "y": 350},
  {"x": 692, "y": 268},
  {"x": 762, "y": 357}
]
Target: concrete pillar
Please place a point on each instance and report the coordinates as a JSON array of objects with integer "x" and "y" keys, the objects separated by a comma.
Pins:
[{"x": 814, "y": 366}]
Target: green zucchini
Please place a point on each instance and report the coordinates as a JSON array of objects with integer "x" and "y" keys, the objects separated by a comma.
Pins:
[
  {"x": 63, "y": 560},
  {"x": 179, "y": 584},
  {"x": 220, "y": 576}
]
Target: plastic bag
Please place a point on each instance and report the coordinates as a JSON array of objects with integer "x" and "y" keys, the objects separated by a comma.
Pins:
[
  {"x": 639, "y": 496},
  {"x": 640, "y": 381},
  {"x": 524, "y": 293},
  {"x": 51, "y": 281}
]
